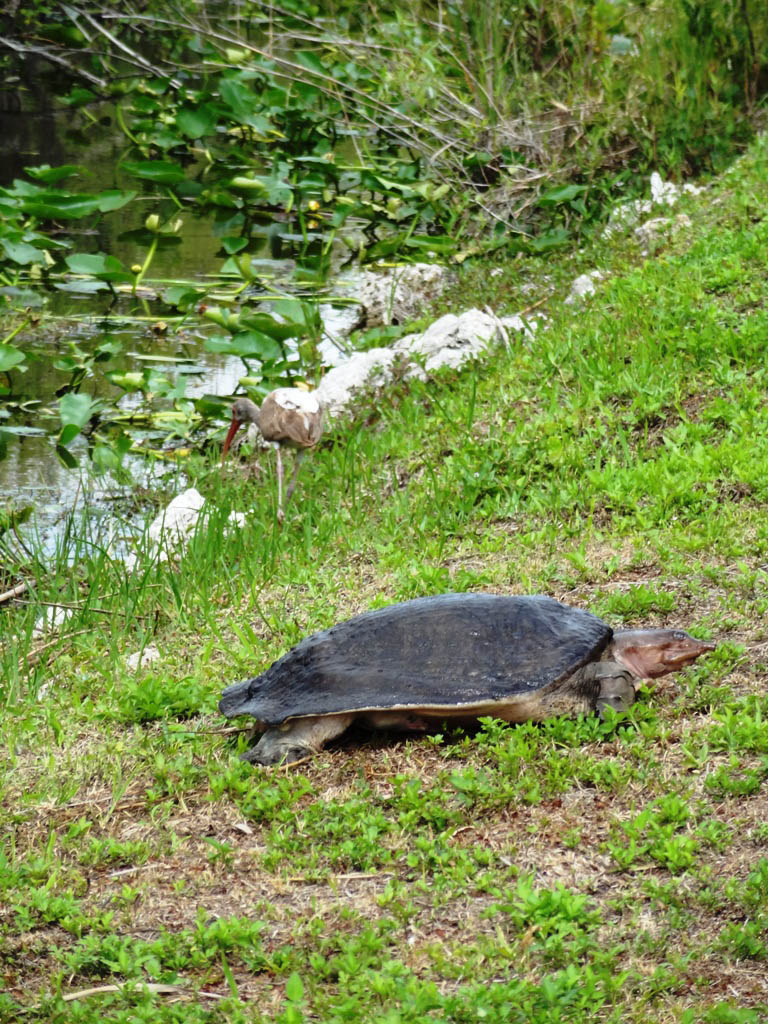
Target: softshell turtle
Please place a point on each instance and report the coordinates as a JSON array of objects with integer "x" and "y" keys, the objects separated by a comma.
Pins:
[{"x": 454, "y": 657}]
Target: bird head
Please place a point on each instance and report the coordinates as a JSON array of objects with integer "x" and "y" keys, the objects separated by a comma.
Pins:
[{"x": 243, "y": 411}]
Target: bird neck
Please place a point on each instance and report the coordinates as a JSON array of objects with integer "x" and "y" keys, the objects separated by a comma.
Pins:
[{"x": 248, "y": 411}]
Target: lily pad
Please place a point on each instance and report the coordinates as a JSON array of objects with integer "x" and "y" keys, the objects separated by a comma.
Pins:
[{"x": 10, "y": 357}]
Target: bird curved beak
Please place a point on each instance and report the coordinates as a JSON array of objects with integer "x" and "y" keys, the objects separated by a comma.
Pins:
[{"x": 233, "y": 426}]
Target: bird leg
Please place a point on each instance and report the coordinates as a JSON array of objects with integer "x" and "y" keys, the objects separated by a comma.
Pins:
[
  {"x": 292, "y": 484},
  {"x": 280, "y": 514}
]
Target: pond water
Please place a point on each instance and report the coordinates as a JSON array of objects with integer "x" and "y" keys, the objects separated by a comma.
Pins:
[{"x": 34, "y": 132}]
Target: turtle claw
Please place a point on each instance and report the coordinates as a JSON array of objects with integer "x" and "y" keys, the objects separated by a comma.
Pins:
[
  {"x": 251, "y": 756},
  {"x": 619, "y": 704},
  {"x": 289, "y": 755}
]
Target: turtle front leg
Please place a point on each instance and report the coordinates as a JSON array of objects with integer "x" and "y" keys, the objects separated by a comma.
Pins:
[
  {"x": 617, "y": 688},
  {"x": 296, "y": 740}
]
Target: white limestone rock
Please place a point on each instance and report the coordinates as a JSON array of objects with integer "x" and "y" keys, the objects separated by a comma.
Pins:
[
  {"x": 626, "y": 214},
  {"x": 663, "y": 193},
  {"x": 53, "y": 616},
  {"x": 172, "y": 529},
  {"x": 667, "y": 193},
  {"x": 584, "y": 285},
  {"x": 450, "y": 341},
  {"x": 142, "y": 658},
  {"x": 653, "y": 229},
  {"x": 338, "y": 387},
  {"x": 399, "y": 294},
  {"x": 522, "y": 325},
  {"x": 175, "y": 524}
]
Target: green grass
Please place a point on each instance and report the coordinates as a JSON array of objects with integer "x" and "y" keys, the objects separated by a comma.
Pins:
[{"x": 604, "y": 871}]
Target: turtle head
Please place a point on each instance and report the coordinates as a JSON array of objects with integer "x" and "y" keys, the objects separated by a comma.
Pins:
[
  {"x": 648, "y": 653},
  {"x": 243, "y": 411}
]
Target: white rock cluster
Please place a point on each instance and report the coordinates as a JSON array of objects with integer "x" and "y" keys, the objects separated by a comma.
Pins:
[
  {"x": 141, "y": 659},
  {"x": 172, "y": 529},
  {"x": 449, "y": 341},
  {"x": 398, "y": 294},
  {"x": 339, "y": 385},
  {"x": 53, "y": 616},
  {"x": 654, "y": 228},
  {"x": 585, "y": 284},
  {"x": 663, "y": 193}
]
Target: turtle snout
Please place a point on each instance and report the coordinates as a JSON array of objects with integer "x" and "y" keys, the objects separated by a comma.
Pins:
[{"x": 690, "y": 650}]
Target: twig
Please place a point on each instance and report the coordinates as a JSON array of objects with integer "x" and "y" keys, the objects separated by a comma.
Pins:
[
  {"x": 365, "y": 874},
  {"x": 35, "y": 653},
  {"x": 158, "y": 989},
  {"x": 59, "y": 604},
  {"x": 16, "y": 591},
  {"x": 535, "y": 305},
  {"x": 137, "y": 58},
  {"x": 291, "y": 764},
  {"x": 128, "y": 871},
  {"x": 227, "y": 730},
  {"x": 408, "y": 126},
  {"x": 83, "y": 993},
  {"x": 121, "y": 803},
  {"x": 349, "y": 876},
  {"x": 54, "y": 58}
]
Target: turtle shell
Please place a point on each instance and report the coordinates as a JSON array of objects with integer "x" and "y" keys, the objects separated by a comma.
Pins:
[{"x": 434, "y": 652}]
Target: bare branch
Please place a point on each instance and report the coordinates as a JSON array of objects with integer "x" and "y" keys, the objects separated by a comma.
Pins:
[{"x": 54, "y": 58}]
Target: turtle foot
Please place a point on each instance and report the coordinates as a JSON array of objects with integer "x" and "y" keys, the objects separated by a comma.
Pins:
[
  {"x": 617, "y": 692},
  {"x": 296, "y": 740},
  {"x": 617, "y": 703},
  {"x": 276, "y": 755}
]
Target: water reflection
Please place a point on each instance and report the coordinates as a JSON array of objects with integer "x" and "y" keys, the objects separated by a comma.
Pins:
[
  {"x": 30, "y": 132},
  {"x": 31, "y": 473}
]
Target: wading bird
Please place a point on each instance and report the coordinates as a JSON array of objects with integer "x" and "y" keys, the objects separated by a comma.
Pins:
[{"x": 288, "y": 417}]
